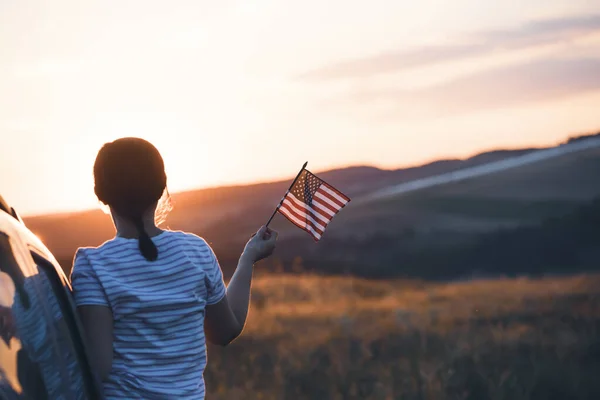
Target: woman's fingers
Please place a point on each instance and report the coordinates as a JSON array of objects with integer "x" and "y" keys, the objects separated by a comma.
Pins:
[
  {"x": 263, "y": 245},
  {"x": 264, "y": 233},
  {"x": 261, "y": 232}
]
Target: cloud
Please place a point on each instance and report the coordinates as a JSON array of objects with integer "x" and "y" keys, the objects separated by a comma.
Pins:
[
  {"x": 536, "y": 33},
  {"x": 538, "y": 80}
]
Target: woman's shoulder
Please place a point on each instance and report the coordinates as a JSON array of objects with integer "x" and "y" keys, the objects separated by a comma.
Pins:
[
  {"x": 86, "y": 256},
  {"x": 81, "y": 262},
  {"x": 195, "y": 245},
  {"x": 86, "y": 251},
  {"x": 188, "y": 237}
]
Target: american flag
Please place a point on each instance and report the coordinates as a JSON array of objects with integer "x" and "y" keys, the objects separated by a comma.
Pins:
[{"x": 311, "y": 203}]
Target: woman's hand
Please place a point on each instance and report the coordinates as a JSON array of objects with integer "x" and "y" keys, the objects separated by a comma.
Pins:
[{"x": 261, "y": 245}]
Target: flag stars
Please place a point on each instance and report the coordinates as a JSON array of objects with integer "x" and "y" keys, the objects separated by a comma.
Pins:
[{"x": 306, "y": 186}]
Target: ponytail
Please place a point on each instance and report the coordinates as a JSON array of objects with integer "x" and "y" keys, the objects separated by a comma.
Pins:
[{"x": 147, "y": 246}]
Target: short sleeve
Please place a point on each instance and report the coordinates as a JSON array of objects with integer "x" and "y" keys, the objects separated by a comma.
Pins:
[
  {"x": 87, "y": 289},
  {"x": 215, "y": 283}
]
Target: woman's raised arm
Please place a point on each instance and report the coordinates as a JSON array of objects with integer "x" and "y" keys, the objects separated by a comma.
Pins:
[{"x": 225, "y": 320}]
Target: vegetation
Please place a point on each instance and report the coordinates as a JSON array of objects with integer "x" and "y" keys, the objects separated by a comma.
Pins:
[
  {"x": 565, "y": 243},
  {"x": 312, "y": 337}
]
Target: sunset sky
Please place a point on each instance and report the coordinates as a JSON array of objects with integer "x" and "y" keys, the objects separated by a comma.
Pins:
[{"x": 234, "y": 91}]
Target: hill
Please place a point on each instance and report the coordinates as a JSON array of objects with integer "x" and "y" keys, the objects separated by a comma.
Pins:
[
  {"x": 537, "y": 218},
  {"x": 367, "y": 234}
]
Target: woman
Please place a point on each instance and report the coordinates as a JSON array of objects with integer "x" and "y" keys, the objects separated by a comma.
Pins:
[{"x": 148, "y": 296}]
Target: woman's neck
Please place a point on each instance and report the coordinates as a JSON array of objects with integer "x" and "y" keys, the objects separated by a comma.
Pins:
[{"x": 127, "y": 229}]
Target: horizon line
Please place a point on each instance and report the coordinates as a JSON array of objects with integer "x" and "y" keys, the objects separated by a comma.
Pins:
[{"x": 397, "y": 167}]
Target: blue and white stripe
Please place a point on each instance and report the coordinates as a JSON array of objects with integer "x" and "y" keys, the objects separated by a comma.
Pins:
[{"x": 158, "y": 310}]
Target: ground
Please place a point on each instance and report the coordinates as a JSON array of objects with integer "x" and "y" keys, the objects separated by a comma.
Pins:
[{"x": 311, "y": 337}]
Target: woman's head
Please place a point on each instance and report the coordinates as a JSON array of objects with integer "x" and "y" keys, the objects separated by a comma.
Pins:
[{"x": 129, "y": 176}]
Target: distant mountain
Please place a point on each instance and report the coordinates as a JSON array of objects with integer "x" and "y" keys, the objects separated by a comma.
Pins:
[{"x": 442, "y": 217}]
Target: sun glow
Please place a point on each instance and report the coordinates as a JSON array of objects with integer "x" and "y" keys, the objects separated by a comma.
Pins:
[
  {"x": 192, "y": 159},
  {"x": 221, "y": 89}
]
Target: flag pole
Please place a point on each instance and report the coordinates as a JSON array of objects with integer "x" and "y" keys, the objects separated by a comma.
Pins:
[{"x": 281, "y": 202}]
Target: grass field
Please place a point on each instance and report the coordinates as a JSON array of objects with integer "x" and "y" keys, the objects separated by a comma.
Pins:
[{"x": 311, "y": 337}]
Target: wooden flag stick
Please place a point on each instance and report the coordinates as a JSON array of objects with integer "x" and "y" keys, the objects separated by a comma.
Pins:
[{"x": 283, "y": 198}]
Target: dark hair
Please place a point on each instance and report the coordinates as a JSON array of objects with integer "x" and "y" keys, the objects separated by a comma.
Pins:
[{"x": 129, "y": 176}]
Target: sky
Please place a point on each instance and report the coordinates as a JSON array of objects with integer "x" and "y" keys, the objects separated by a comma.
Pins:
[{"x": 234, "y": 91}]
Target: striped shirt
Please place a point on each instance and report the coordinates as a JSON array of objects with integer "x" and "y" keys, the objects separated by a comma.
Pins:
[{"x": 159, "y": 347}]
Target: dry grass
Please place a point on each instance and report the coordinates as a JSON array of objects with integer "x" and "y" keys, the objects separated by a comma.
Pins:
[{"x": 312, "y": 337}]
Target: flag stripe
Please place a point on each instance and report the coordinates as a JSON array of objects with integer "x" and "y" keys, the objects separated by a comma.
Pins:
[
  {"x": 306, "y": 206},
  {"x": 327, "y": 202},
  {"x": 306, "y": 224},
  {"x": 334, "y": 194},
  {"x": 325, "y": 209},
  {"x": 299, "y": 213},
  {"x": 343, "y": 197},
  {"x": 299, "y": 223},
  {"x": 337, "y": 203}
]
